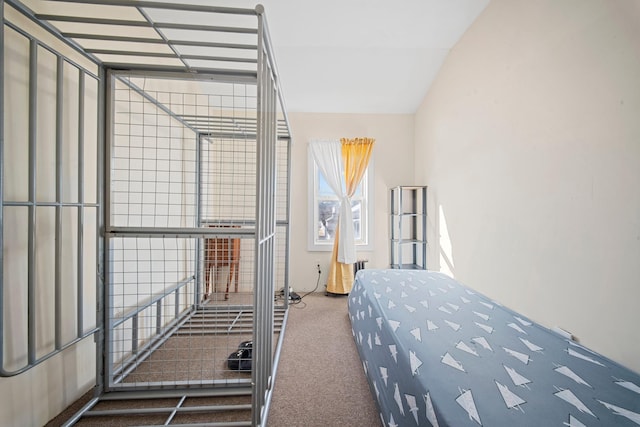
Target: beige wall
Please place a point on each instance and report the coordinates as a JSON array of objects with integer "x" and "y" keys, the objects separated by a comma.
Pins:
[
  {"x": 394, "y": 145},
  {"x": 36, "y": 396},
  {"x": 530, "y": 142}
]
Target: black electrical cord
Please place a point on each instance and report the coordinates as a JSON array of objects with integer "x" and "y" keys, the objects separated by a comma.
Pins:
[{"x": 314, "y": 289}]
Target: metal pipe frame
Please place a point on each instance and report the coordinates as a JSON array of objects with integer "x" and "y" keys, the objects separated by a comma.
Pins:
[
  {"x": 169, "y": 6},
  {"x": 51, "y": 50},
  {"x": 162, "y": 36},
  {"x": 140, "y": 308},
  {"x": 268, "y": 46},
  {"x": 107, "y": 356},
  {"x": 182, "y": 232},
  {"x": 248, "y": 75},
  {"x": 157, "y": 27},
  {"x": 115, "y": 376},
  {"x": 58, "y": 226},
  {"x": 169, "y": 55},
  {"x": 424, "y": 225},
  {"x": 261, "y": 375},
  {"x": 130, "y": 39},
  {"x": 2, "y": 179},
  {"x": 13, "y": 203},
  {"x": 32, "y": 359},
  {"x": 17, "y": 5},
  {"x": 286, "y": 224},
  {"x": 199, "y": 246},
  {"x": 413, "y": 228},
  {"x": 101, "y": 249},
  {"x": 209, "y": 387},
  {"x": 31, "y": 273},
  {"x": 163, "y": 333},
  {"x": 112, "y": 375},
  {"x": 141, "y": 354},
  {"x": 268, "y": 132},
  {"x": 259, "y": 11},
  {"x": 165, "y": 393},
  {"x": 170, "y": 410},
  {"x": 144, "y": 24},
  {"x": 201, "y": 124},
  {"x": 80, "y": 230},
  {"x": 276, "y": 364},
  {"x": 222, "y": 135},
  {"x": 154, "y": 101},
  {"x": 43, "y": 20},
  {"x": 186, "y": 232}
]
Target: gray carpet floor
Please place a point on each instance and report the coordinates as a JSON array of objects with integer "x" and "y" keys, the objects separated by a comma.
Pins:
[{"x": 320, "y": 380}]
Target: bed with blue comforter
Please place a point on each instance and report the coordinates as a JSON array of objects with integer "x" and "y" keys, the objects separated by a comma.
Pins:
[{"x": 437, "y": 353}]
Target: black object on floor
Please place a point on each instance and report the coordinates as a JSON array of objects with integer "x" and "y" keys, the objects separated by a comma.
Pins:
[{"x": 240, "y": 360}]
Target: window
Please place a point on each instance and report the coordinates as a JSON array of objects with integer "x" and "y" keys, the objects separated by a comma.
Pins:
[{"x": 324, "y": 208}]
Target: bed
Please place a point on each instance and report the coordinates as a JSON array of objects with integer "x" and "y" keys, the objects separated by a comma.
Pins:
[{"x": 438, "y": 353}]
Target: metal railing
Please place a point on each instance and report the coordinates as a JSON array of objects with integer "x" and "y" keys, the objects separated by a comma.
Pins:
[{"x": 139, "y": 354}]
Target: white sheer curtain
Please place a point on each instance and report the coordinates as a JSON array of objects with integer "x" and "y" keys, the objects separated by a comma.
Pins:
[{"x": 328, "y": 156}]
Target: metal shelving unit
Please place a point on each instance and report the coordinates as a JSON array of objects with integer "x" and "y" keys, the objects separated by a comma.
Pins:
[{"x": 409, "y": 227}]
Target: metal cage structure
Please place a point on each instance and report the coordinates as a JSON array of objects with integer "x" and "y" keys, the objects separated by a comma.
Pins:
[{"x": 167, "y": 172}]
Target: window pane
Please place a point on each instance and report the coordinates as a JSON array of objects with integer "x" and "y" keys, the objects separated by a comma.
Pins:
[
  {"x": 324, "y": 189},
  {"x": 327, "y": 219},
  {"x": 324, "y": 204},
  {"x": 356, "y": 211}
]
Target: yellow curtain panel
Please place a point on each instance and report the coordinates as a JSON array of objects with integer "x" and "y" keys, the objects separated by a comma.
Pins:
[{"x": 356, "y": 154}]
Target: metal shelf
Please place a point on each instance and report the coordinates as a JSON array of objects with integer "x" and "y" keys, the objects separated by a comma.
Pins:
[
  {"x": 407, "y": 266},
  {"x": 408, "y": 221}
]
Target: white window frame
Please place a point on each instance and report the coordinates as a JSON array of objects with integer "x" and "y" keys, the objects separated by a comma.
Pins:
[{"x": 365, "y": 243}]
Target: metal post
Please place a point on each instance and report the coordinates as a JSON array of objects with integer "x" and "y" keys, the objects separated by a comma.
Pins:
[
  {"x": 107, "y": 132},
  {"x": 199, "y": 247},
  {"x": 288, "y": 226},
  {"x": 58, "y": 225},
  {"x": 400, "y": 221},
  {"x": 135, "y": 329},
  {"x": 2, "y": 159},
  {"x": 265, "y": 230},
  {"x": 256, "y": 373},
  {"x": 31, "y": 275},
  {"x": 177, "y": 302},
  {"x": 80, "y": 258},
  {"x": 414, "y": 225},
  {"x": 392, "y": 230},
  {"x": 424, "y": 228},
  {"x": 102, "y": 258},
  {"x": 159, "y": 317}
]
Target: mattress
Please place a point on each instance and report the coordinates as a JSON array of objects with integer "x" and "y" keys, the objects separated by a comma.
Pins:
[{"x": 438, "y": 353}]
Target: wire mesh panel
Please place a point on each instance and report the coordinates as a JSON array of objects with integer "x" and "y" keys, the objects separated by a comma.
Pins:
[
  {"x": 283, "y": 163},
  {"x": 229, "y": 181},
  {"x": 160, "y": 335},
  {"x": 182, "y": 224},
  {"x": 228, "y": 195},
  {"x": 152, "y": 284},
  {"x": 153, "y": 161}
]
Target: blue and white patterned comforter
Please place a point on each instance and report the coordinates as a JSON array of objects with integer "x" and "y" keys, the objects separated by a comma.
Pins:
[{"x": 437, "y": 353}]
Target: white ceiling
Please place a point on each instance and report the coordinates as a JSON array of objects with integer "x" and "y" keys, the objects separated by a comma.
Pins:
[
  {"x": 360, "y": 56},
  {"x": 348, "y": 56},
  {"x": 363, "y": 56}
]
